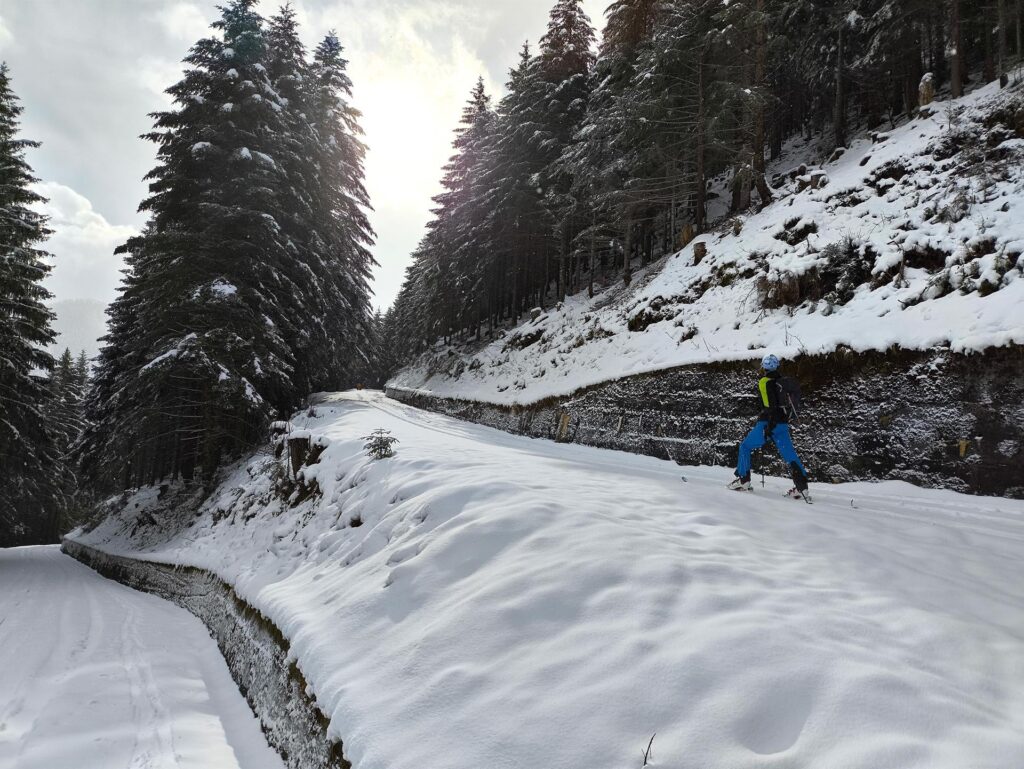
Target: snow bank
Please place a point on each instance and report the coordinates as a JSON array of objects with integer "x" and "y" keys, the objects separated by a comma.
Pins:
[
  {"x": 934, "y": 211},
  {"x": 487, "y": 600}
]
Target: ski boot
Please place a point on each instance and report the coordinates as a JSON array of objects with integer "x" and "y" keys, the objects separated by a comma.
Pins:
[{"x": 740, "y": 484}]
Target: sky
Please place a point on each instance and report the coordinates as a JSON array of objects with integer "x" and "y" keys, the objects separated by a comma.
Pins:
[{"x": 89, "y": 72}]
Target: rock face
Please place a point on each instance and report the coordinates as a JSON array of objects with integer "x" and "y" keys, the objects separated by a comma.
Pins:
[
  {"x": 255, "y": 650},
  {"x": 926, "y": 90},
  {"x": 932, "y": 418}
]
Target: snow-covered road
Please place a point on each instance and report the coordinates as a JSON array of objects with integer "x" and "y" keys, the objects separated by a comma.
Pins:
[
  {"x": 487, "y": 601},
  {"x": 94, "y": 675}
]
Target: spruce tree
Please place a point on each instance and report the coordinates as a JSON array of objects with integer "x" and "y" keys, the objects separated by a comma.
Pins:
[
  {"x": 448, "y": 252},
  {"x": 565, "y": 65},
  {"x": 249, "y": 286},
  {"x": 521, "y": 224},
  {"x": 28, "y": 455},
  {"x": 340, "y": 210},
  {"x": 68, "y": 385},
  {"x": 202, "y": 359}
]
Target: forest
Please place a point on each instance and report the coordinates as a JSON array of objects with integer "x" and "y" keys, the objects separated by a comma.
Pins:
[
  {"x": 247, "y": 290},
  {"x": 599, "y": 160},
  {"x": 249, "y": 287}
]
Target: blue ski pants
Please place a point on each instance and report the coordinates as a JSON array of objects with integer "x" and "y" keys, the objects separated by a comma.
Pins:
[{"x": 758, "y": 437}]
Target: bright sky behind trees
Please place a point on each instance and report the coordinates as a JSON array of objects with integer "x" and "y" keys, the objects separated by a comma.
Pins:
[{"x": 88, "y": 72}]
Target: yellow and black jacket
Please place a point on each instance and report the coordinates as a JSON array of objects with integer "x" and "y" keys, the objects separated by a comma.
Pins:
[{"x": 768, "y": 388}]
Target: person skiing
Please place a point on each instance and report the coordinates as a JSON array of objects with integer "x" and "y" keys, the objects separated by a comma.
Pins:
[{"x": 778, "y": 404}]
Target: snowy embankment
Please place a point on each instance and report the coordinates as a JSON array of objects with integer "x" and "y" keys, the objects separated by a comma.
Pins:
[
  {"x": 94, "y": 675},
  {"x": 912, "y": 238},
  {"x": 487, "y": 600}
]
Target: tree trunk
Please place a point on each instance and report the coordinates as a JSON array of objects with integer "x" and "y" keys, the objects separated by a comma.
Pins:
[
  {"x": 515, "y": 294},
  {"x": 564, "y": 267},
  {"x": 1020, "y": 22},
  {"x": 1001, "y": 47},
  {"x": 593, "y": 235},
  {"x": 938, "y": 57},
  {"x": 760, "y": 66},
  {"x": 914, "y": 75},
  {"x": 956, "y": 83},
  {"x": 839, "y": 111},
  {"x": 700, "y": 213},
  {"x": 986, "y": 30},
  {"x": 627, "y": 254}
]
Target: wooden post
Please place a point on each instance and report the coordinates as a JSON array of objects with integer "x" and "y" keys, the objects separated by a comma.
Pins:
[
  {"x": 563, "y": 427},
  {"x": 298, "y": 450}
]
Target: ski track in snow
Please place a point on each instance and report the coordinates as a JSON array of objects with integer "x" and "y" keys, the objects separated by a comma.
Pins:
[
  {"x": 510, "y": 602},
  {"x": 94, "y": 675}
]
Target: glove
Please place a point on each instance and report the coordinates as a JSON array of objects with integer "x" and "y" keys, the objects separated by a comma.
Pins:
[{"x": 769, "y": 429}]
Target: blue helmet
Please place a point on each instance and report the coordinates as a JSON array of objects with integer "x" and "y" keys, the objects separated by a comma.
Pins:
[{"x": 770, "y": 363}]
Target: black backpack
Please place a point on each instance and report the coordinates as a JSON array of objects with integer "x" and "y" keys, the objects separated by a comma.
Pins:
[{"x": 789, "y": 400}]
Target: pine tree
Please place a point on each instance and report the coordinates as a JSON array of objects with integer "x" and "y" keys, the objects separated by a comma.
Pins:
[
  {"x": 215, "y": 283},
  {"x": 66, "y": 402},
  {"x": 341, "y": 204},
  {"x": 249, "y": 286},
  {"x": 566, "y": 61},
  {"x": 67, "y": 415},
  {"x": 521, "y": 225},
  {"x": 108, "y": 411},
  {"x": 596, "y": 158},
  {"x": 630, "y": 23},
  {"x": 503, "y": 226},
  {"x": 28, "y": 456},
  {"x": 448, "y": 254}
]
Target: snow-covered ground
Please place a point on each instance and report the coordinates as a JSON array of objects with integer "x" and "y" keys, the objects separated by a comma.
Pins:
[
  {"x": 487, "y": 600},
  {"x": 945, "y": 192},
  {"x": 94, "y": 675}
]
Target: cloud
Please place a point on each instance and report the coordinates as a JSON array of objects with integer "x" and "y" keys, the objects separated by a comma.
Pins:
[
  {"x": 185, "y": 22},
  {"x": 96, "y": 68},
  {"x": 82, "y": 245}
]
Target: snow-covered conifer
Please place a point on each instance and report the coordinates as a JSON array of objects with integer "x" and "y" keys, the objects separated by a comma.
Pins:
[{"x": 28, "y": 455}]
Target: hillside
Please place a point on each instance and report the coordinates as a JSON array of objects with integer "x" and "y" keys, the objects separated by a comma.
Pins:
[
  {"x": 487, "y": 600},
  {"x": 911, "y": 238}
]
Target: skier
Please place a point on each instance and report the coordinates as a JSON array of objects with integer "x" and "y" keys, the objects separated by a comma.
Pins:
[{"x": 779, "y": 401}]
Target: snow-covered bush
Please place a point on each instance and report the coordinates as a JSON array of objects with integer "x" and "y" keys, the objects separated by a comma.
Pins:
[{"x": 844, "y": 267}]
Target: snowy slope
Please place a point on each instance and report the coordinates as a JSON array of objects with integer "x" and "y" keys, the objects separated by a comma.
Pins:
[
  {"x": 98, "y": 676},
  {"x": 934, "y": 211},
  {"x": 487, "y": 600}
]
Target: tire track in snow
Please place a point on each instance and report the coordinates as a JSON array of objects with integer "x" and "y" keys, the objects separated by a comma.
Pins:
[
  {"x": 98, "y": 676},
  {"x": 154, "y": 740}
]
